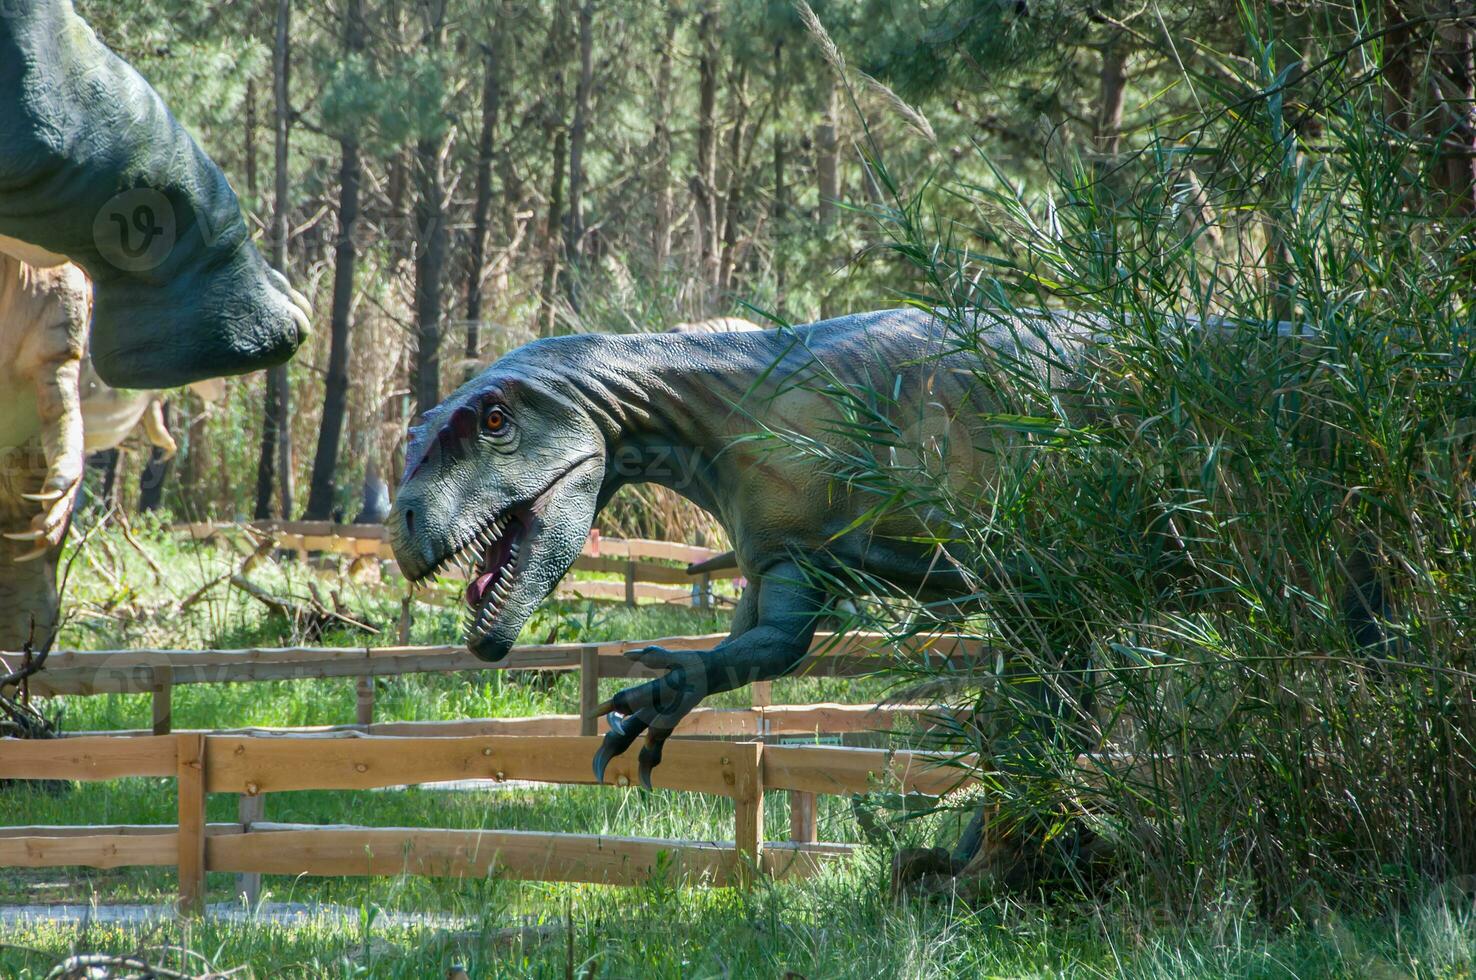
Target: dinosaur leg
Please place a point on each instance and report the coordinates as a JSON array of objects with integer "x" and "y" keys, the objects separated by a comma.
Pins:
[
  {"x": 59, "y": 408},
  {"x": 28, "y": 599},
  {"x": 772, "y": 629},
  {"x": 157, "y": 430}
]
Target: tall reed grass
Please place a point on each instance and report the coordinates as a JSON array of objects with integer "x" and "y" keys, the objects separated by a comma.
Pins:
[{"x": 1228, "y": 569}]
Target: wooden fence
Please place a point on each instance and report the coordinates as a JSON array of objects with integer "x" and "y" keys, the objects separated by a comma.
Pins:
[
  {"x": 255, "y": 765},
  {"x": 157, "y": 672},
  {"x": 637, "y": 560}
]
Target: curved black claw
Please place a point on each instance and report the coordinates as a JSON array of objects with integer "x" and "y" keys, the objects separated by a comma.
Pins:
[
  {"x": 624, "y": 730},
  {"x": 654, "y": 707},
  {"x": 650, "y": 756}
]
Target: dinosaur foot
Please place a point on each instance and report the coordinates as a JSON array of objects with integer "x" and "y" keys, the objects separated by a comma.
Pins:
[
  {"x": 49, "y": 527},
  {"x": 924, "y": 872},
  {"x": 1020, "y": 862},
  {"x": 655, "y": 707}
]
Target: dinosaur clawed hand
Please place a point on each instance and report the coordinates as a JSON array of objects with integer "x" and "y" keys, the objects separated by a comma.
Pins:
[
  {"x": 655, "y": 707},
  {"x": 50, "y": 526}
]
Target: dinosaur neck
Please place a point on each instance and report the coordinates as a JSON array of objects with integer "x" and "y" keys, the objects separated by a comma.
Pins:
[{"x": 669, "y": 406}]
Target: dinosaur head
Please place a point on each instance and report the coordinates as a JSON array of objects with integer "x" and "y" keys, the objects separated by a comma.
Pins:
[
  {"x": 501, "y": 480},
  {"x": 96, "y": 170}
]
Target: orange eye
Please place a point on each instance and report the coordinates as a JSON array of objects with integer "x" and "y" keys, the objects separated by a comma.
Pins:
[{"x": 496, "y": 421}]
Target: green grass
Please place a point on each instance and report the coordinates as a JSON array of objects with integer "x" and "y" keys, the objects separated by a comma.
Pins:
[
  {"x": 843, "y": 924},
  {"x": 840, "y": 926}
]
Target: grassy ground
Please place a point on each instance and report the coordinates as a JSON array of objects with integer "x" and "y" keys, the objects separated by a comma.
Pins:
[{"x": 840, "y": 925}]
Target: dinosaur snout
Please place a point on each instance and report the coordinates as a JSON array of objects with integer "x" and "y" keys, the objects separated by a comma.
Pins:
[{"x": 414, "y": 549}]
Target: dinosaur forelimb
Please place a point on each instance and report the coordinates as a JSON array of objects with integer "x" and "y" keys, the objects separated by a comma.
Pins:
[{"x": 785, "y": 610}]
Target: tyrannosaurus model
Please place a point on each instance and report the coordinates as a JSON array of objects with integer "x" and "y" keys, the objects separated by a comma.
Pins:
[{"x": 506, "y": 476}]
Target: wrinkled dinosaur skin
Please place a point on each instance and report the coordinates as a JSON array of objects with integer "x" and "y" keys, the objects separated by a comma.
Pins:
[
  {"x": 95, "y": 170},
  {"x": 507, "y": 476},
  {"x": 43, "y": 330},
  {"x": 716, "y": 324}
]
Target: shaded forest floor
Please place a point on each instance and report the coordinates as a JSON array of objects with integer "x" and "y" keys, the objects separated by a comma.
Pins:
[{"x": 843, "y": 924}]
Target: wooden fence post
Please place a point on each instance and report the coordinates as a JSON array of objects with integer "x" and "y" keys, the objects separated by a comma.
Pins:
[
  {"x": 190, "y": 785},
  {"x": 162, "y": 681},
  {"x": 249, "y": 809},
  {"x": 364, "y": 701},
  {"x": 748, "y": 803},
  {"x": 803, "y": 822},
  {"x": 630, "y": 583},
  {"x": 589, "y": 689},
  {"x": 406, "y": 618},
  {"x": 762, "y": 693}
]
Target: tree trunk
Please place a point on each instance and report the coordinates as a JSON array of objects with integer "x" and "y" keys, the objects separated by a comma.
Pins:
[
  {"x": 110, "y": 461},
  {"x": 579, "y": 131},
  {"x": 336, "y": 385},
  {"x": 734, "y": 199},
  {"x": 151, "y": 483},
  {"x": 1455, "y": 124},
  {"x": 781, "y": 204},
  {"x": 661, "y": 231},
  {"x": 274, "y": 466},
  {"x": 704, "y": 183},
  {"x": 481, "y": 211},
  {"x": 432, "y": 242},
  {"x": 1399, "y": 73},
  {"x": 780, "y": 162},
  {"x": 249, "y": 144},
  {"x": 1108, "y": 124},
  {"x": 552, "y": 236},
  {"x": 827, "y": 159}
]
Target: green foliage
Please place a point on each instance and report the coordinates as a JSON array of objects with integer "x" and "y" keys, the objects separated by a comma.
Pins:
[{"x": 1232, "y": 563}]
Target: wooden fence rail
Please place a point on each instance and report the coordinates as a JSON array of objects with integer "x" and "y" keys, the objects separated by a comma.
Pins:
[
  {"x": 636, "y": 560},
  {"x": 254, "y": 765},
  {"x": 157, "y": 672}
]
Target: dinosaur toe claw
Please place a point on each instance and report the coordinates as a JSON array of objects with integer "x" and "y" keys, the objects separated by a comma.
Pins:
[{"x": 33, "y": 554}]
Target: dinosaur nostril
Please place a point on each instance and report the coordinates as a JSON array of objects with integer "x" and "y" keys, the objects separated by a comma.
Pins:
[{"x": 410, "y": 521}]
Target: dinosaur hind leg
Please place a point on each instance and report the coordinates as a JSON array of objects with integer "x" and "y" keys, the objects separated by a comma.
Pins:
[
  {"x": 29, "y": 604},
  {"x": 29, "y": 607}
]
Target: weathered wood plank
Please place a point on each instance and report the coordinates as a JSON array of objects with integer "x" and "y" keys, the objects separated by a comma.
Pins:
[
  {"x": 835, "y": 770},
  {"x": 803, "y": 817},
  {"x": 94, "y": 850},
  {"x": 190, "y": 841},
  {"x": 783, "y": 719},
  {"x": 748, "y": 802},
  {"x": 788, "y": 860},
  {"x": 255, "y": 764},
  {"x": 508, "y": 854},
  {"x": 110, "y": 830},
  {"x": 87, "y": 757},
  {"x": 589, "y": 690}
]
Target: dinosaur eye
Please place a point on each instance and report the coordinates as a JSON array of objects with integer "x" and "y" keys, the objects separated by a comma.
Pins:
[{"x": 495, "y": 421}]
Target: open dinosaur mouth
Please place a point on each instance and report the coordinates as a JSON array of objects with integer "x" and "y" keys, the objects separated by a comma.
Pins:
[{"x": 491, "y": 568}]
